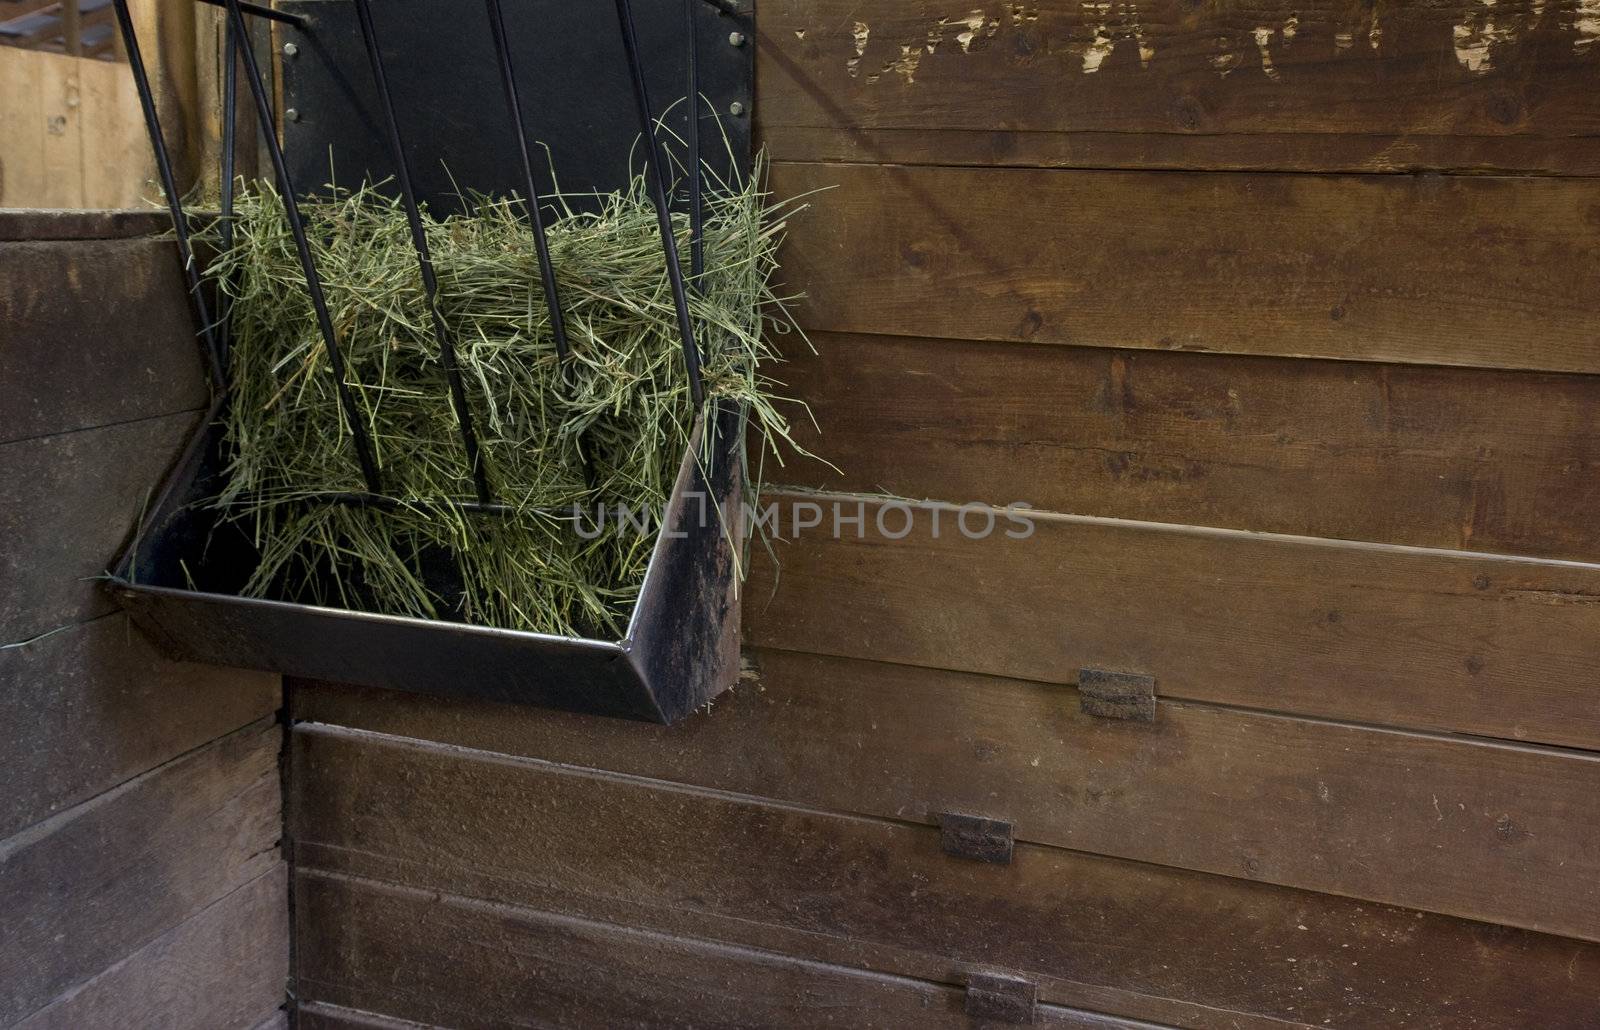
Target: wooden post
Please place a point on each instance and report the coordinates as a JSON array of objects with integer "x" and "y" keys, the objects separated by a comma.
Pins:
[{"x": 71, "y": 28}]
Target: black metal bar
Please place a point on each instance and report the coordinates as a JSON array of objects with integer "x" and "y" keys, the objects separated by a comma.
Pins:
[
  {"x": 725, "y": 7},
  {"x": 256, "y": 10},
  {"x": 319, "y": 303},
  {"x": 230, "y": 121},
  {"x": 169, "y": 183},
  {"x": 697, "y": 245},
  {"x": 419, "y": 239},
  {"x": 656, "y": 177},
  {"x": 508, "y": 80}
]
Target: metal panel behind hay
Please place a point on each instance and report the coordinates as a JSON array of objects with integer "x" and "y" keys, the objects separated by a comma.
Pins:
[{"x": 453, "y": 115}]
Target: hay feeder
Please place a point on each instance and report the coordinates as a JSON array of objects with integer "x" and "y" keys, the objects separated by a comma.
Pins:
[{"x": 180, "y": 576}]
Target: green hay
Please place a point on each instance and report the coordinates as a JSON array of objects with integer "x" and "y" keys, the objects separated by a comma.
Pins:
[{"x": 624, "y": 402}]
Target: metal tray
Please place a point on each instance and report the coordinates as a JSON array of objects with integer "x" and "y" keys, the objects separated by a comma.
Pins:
[{"x": 178, "y": 577}]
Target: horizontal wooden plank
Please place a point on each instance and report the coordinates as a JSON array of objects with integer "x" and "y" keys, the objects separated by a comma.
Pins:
[
  {"x": 1451, "y": 85},
  {"x": 40, "y": 224},
  {"x": 90, "y": 886},
  {"x": 101, "y": 706},
  {"x": 318, "y": 1015},
  {"x": 222, "y": 969},
  {"x": 92, "y": 333},
  {"x": 364, "y": 943},
  {"x": 1179, "y": 151},
  {"x": 1505, "y": 834},
  {"x": 1434, "y": 457},
  {"x": 1435, "y": 640},
  {"x": 67, "y": 505},
  {"x": 1490, "y": 272},
  {"x": 1132, "y": 938}
]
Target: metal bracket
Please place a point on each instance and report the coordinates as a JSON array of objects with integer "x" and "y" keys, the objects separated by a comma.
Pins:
[
  {"x": 1117, "y": 695},
  {"x": 1001, "y": 999},
  {"x": 976, "y": 838}
]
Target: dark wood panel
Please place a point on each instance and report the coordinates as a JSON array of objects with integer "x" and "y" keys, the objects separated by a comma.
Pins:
[
  {"x": 1469, "y": 828},
  {"x": 90, "y": 886},
  {"x": 317, "y": 1015},
  {"x": 1504, "y": 834},
  {"x": 99, "y": 706},
  {"x": 1178, "y": 151},
  {"x": 1502, "y": 647},
  {"x": 403, "y": 951},
  {"x": 67, "y": 505},
  {"x": 222, "y": 969},
  {"x": 1332, "y": 85},
  {"x": 1435, "y": 457},
  {"x": 40, "y": 224},
  {"x": 1132, "y": 938},
  {"x": 94, "y": 332},
  {"x": 1434, "y": 269}
]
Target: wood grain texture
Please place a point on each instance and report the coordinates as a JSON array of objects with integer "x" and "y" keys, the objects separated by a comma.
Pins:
[
  {"x": 1484, "y": 831},
  {"x": 1500, "y": 647},
  {"x": 1434, "y": 457},
  {"x": 400, "y": 950},
  {"x": 67, "y": 505},
  {"x": 74, "y": 137},
  {"x": 101, "y": 706},
  {"x": 880, "y": 894},
  {"x": 1177, "y": 151},
  {"x": 84, "y": 889},
  {"x": 1164, "y": 83},
  {"x": 224, "y": 968},
  {"x": 94, "y": 332},
  {"x": 319, "y": 1015},
  {"x": 1490, "y": 272},
  {"x": 39, "y": 225}
]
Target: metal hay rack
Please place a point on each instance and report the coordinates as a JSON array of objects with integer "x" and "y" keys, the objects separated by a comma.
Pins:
[{"x": 681, "y": 643}]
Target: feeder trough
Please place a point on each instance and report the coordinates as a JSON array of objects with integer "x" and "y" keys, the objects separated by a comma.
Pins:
[{"x": 456, "y": 85}]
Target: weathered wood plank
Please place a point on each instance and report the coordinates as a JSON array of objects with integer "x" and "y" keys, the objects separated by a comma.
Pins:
[
  {"x": 42, "y": 121},
  {"x": 67, "y": 504},
  {"x": 1434, "y": 457},
  {"x": 318, "y": 1015},
  {"x": 116, "y": 162},
  {"x": 1443, "y": 270},
  {"x": 878, "y": 893},
  {"x": 1165, "y": 83},
  {"x": 38, "y": 225},
  {"x": 1177, "y": 151},
  {"x": 94, "y": 332},
  {"x": 1435, "y": 640},
  {"x": 222, "y": 969},
  {"x": 88, "y": 887},
  {"x": 1485, "y": 831},
  {"x": 371, "y": 945},
  {"x": 277, "y": 1021},
  {"x": 98, "y": 705}
]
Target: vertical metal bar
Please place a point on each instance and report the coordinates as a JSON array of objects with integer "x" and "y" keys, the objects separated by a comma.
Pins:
[
  {"x": 656, "y": 178},
  {"x": 508, "y": 81},
  {"x": 419, "y": 239},
  {"x": 697, "y": 245},
  {"x": 230, "y": 122},
  {"x": 358, "y": 429},
  {"x": 169, "y": 183}
]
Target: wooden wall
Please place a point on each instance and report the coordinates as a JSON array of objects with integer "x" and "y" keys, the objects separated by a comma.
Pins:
[
  {"x": 141, "y": 879},
  {"x": 1283, "y": 318},
  {"x": 71, "y": 132}
]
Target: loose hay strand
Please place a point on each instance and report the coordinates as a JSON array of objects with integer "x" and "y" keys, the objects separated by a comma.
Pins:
[{"x": 623, "y": 406}]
